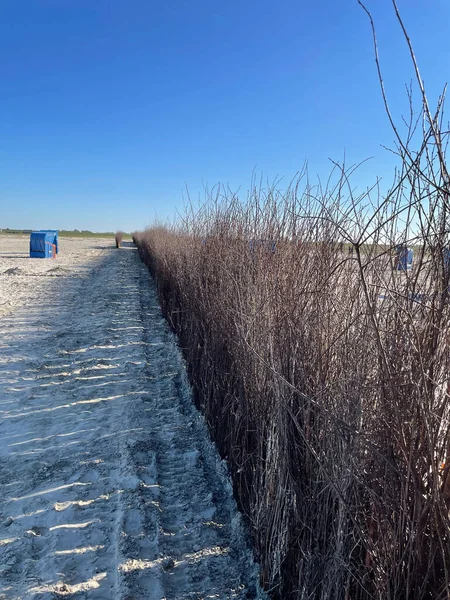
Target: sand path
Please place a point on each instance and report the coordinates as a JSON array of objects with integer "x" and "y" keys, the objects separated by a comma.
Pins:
[{"x": 109, "y": 486}]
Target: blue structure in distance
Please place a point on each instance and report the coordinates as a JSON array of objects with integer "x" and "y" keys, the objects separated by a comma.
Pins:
[
  {"x": 404, "y": 258},
  {"x": 55, "y": 234},
  {"x": 447, "y": 258},
  {"x": 42, "y": 244}
]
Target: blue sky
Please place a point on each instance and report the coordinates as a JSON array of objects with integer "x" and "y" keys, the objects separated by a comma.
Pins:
[{"x": 109, "y": 109}]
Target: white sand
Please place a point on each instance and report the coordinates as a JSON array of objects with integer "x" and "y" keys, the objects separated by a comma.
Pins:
[
  {"x": 23, "y": 278},
  {"x": 109, "y": 486}
]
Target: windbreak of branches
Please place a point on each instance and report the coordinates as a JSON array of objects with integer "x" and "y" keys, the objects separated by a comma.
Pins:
[
  {"x": 322, "y": 367},
  {"x": 118, "y": 238},
  {"x": 322, "y": 371}
]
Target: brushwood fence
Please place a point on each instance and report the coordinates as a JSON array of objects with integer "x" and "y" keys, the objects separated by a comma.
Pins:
[{"x": 325, "y": 387}]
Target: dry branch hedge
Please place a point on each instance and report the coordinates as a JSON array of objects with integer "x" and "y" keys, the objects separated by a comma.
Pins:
[
  {"x": 322, "y": 370},
  {"x": 118, "y": 238},
  {"x": 323, "y": 375}
]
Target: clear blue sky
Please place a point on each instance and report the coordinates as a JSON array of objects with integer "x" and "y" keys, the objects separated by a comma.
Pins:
[{"x": 110, "y": 108}]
